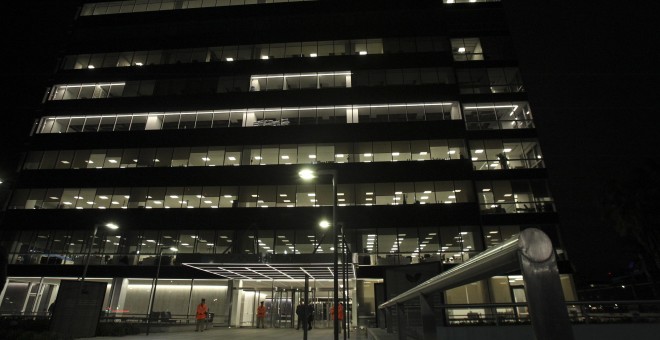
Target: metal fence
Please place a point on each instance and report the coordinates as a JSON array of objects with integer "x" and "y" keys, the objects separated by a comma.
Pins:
[{"x": 510, "y": 314}]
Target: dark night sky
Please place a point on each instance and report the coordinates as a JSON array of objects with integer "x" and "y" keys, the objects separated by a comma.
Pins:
[
  {"x": 33, "y": 32},
  {"x": 591, "y": 71}
]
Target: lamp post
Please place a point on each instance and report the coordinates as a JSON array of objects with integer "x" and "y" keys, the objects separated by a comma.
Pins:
[
  {"x": 89, "y": 250},
  {"x": 81, "y": 288},
  {"x": 159, "y": 258},
  {"x": 346, "y": 325},
  {"x": 309, "y": 174}
]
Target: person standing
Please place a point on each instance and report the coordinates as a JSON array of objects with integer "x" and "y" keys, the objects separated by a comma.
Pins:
[
  {"x": 202, "y": 311},
  {"x": 310, "y": 316},
  {"x": 300, "y": 313},
  {"x": 332, "y": 314},
  {"x": 504, "y": 161},
  {"x": 340, "y": 315},
  {"x": 261, "y": 315}
]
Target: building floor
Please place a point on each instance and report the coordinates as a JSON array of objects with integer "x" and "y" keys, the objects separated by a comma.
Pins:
[{"x": 243, "y": 333}]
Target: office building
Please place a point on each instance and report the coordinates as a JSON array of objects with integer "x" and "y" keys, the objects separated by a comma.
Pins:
[{"x": 187, "y": 122}]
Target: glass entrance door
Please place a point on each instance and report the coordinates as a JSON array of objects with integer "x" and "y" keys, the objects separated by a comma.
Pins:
[
  {"x": 248, "y": 307},
  {"x": 281, "y": 309}
]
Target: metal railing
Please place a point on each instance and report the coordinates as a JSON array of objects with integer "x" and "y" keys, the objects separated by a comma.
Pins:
[
  {"x": 416, "y": 310},
  {"x": 158, "y": 318},
  {"x": 410, "y": 324},
  {"x": 580, "y": 312},
  {"x": 494, "y": 260}
]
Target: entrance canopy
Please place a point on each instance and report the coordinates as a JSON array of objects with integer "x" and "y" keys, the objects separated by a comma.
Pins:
[{"x": 272, "y": 271}]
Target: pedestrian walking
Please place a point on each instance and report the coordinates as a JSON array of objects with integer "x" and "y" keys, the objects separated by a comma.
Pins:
[
  {"x": 300, "y": 313},
  {"x": 202, "y": 312},
  {"x": 310, "y": 316}
]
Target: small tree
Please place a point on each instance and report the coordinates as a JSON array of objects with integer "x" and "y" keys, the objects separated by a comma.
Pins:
[{"x": 632, "y": 208}]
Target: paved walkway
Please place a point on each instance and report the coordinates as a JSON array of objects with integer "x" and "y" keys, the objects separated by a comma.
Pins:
[{"x": 241, "y": 333}]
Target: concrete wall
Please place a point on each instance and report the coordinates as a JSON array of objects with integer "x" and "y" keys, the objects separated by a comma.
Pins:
[{"x": 582, "y": 332}]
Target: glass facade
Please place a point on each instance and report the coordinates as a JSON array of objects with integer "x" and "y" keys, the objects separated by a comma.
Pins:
[
  {"x": 264, "y": 196},
  {"x": 304, "y": 49},
  {"x": 483, "y": 116},
  {"x": 447, "y": 244},
  {"x": 487, "y": 154},
  {"x": 125, "y": 298},
  {"x": 254, "y": 117},
  {"x": 137, "y": 6},
  {"x": 138, "y": 113},
  {"x": 503, "y": 80}
]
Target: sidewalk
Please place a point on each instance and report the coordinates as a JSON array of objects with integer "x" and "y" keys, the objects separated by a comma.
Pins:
[{"x": 242, "y": 333}]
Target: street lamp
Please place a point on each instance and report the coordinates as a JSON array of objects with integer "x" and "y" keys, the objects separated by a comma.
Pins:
[
  {"x": 346, "y": 325},
  {"x": 159, "y": 258},
  {"x": 111, "y": 226},
  {"x": 308, "y": 174},
  {"x": 81, "y": 289}
]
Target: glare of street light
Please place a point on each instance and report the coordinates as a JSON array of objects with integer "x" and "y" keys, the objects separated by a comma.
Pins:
[
  {"x": 324, "y": 224},
  {"x": 307, "y": 174},
  {"x": 89, "y": 252},
  {"x": 159, "y": 260}
]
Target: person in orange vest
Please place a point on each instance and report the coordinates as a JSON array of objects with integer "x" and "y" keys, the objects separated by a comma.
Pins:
[
  {"x": 341, "y": 315},
  {"x": 261, "y": 315},
  {"x": 202, "y": 311}
]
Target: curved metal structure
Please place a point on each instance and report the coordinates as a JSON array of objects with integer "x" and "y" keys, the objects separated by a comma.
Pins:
[{"x": 531, "y": 252}]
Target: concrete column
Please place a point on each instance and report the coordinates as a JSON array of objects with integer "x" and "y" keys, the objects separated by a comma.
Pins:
[
  {"x": 190, "y": 301},
  {"x": 230, "y": 302},
  {"x": 401, "y": 321},
  {"x": 442, "y": 313},
  {"x": 4, "y": 290},
  {"x": 53, "y": 294},
  {"x": 236, "y": 307},
  {"x": 304, "y": 323},
  {"x": 37, "y": 298},
  {"x": 389, "y": 319},
  {"x": 118, "y": 295},
  {"x": 354, "y": 308},
  {"x": 27, "y": 297},
  {"x": 428, "y": 318}
]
